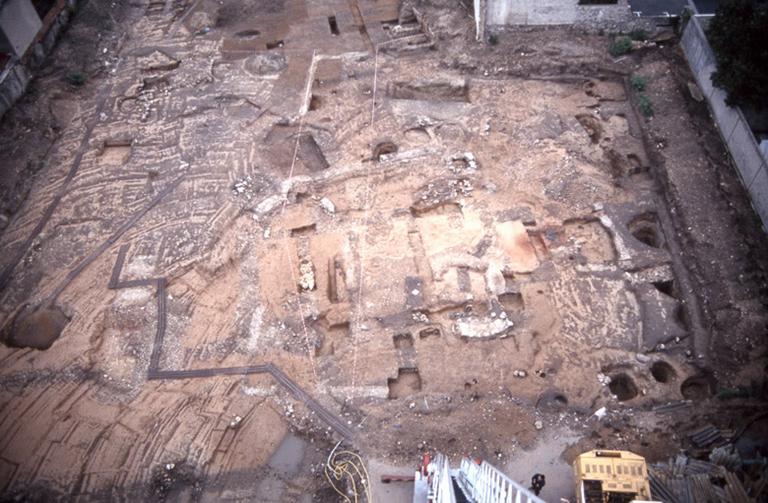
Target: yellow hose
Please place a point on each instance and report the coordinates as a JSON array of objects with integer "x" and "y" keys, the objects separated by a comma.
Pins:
[{"x": 353, "y": 468}]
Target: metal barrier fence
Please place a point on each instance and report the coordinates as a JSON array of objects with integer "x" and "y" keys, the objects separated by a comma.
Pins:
[
  {"x": 749, "y": 162},
  {"x": 483, "y": 483},
  {"x": 441, "y": 484}
]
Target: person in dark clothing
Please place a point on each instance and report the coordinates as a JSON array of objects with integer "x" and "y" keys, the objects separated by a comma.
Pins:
[{"x": 537, "y": 483}]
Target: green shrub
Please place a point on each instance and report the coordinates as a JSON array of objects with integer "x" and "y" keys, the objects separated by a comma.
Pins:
[
  {"x": 493, "y": 39},
  {"x": 621, "y": 46},
  {"x": 638, "y": 34},
  {"x": 645, "y": 105},
  {"x": 686, "y": 15},
  {"x": 739, "y": 38},
  {"x": 638, "y": 82},
  {"x": 76, "y": 79}
]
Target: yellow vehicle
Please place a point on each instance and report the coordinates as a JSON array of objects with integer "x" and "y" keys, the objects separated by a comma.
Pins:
[{"x": 611, "y": 477}]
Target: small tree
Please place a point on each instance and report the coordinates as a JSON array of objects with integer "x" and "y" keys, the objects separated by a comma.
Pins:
[{"x": 738, "y": 35}]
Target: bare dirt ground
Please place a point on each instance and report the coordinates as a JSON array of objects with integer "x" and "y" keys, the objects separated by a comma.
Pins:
[{"x": 255, "y": 230}]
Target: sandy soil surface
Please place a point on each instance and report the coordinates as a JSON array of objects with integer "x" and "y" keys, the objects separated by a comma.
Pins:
[{"x": 257, "y": 229}]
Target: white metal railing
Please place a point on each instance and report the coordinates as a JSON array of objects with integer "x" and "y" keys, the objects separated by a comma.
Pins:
[
  {"x": 484, "y": 483},
  {"x": 440, "y": 483}
]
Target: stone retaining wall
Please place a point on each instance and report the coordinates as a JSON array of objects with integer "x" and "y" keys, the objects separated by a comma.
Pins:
[{"x": 750, "y": 164}]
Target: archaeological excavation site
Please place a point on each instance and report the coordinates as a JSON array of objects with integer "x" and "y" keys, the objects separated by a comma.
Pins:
[{"x": 317, "y": 251}]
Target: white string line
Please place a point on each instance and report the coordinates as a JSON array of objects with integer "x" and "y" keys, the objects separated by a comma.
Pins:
[
  {"x": 366, "y": 205},
  {"x": 294, "y": 279},
  {"x": 364, "y": 235},
  {"x": 375, "y": 72},
  {"x": 363, "y": 239}
]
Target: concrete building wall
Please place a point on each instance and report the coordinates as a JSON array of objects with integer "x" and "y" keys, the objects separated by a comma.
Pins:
[
  {"x": 741, "y": 143},
  {"x": 554, "y": 12},
  {"x": 15, "y": 77},
  {"x": 19, "y": 24}
]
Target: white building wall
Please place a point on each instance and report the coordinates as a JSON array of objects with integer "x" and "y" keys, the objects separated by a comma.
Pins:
[{"x": 553, "y": 12}]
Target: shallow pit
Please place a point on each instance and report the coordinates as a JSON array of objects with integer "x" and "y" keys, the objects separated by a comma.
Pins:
[
  {"x": 304, "y": 230},
  {"x": 552, "y": 401},
  {"x": 430, "y": 90},
  {"x": 429, "y": 332},
  {"x": 417, "y": 135},
  {"x": 663, "y": 372},
  {"x": 37, "y": 329},
  {"x": 407, "y": 382},
  {"x": 681, "y": 317},
  {"x": 645, "y": 229},
  {"x": 697, "y": 388},
  {"x": 592, "y": 126},
  {"x": 403, "y": 341},
  {"x": 333, "y": 25},
  {"x": 667, "y": 287},
  {"x": 383, "y": 148},
  {"x": 315, "y": 102},
  {"x": 623, "y": 386},
  {"x": 248, "y": 34},
  {"x": 115, "y": 152},
  {"x": 512, "y": 301}
]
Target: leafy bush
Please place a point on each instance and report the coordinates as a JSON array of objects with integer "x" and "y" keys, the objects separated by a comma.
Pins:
[
  {"x": 621, "y": 46},
  {"x": 645, "y": 105},
  {"x": 77, "y": 79},
  {"x": 638, "y": 82},
  {"x": 686, "y": 15},
  {"x": 738, "y": 35},
  {"x": 638, "y": 34}
]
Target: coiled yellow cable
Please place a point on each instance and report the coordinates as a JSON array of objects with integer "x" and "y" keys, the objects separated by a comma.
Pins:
[{"x": 348, "y": 464}]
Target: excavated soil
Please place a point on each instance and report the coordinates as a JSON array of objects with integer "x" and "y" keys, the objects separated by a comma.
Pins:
[{"x": 277, "y": 226}]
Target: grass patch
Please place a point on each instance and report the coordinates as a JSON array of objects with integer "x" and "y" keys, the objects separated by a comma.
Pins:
[
  {"x": 638, "y": 83},
  {"x": 645, "y": 105},
  {"x": 620, "y": 47}
]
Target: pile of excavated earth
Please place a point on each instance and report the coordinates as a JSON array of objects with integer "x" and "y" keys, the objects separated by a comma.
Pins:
[{"x": 260, "y": 228}]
